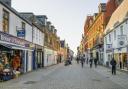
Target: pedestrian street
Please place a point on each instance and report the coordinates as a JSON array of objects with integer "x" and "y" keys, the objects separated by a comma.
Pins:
[{"x": 69, "y": 77}]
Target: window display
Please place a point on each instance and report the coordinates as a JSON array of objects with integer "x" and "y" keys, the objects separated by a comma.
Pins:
[{"x": 10, "y": 64}]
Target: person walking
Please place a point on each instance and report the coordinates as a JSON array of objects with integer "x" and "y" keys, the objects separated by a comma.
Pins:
[
  {"x": 91, "y": 62},
  {"x": 77, "y": 59},
  {"x": 82, "y": 61},
  {"x": 95, "y": 62},
  {"x": 113, "y": 63}
]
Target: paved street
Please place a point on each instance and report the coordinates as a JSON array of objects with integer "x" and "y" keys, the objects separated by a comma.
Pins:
[{"x": 69, "y": 77}]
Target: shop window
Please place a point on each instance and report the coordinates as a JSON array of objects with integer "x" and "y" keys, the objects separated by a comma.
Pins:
[
  {"x": 109, "y": 57},
  {"x": 5, "y": 21}
]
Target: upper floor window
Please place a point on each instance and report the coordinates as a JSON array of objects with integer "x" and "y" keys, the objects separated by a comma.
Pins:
[
  {"x": 109, "y": 37},
  {"x": 115, "y": 34},
  {"x": 106, "y": 39},
  {"x": 23, "y": 26},
  {"x": 5, "y": 21},
  {"x": 121, "y": 30}
]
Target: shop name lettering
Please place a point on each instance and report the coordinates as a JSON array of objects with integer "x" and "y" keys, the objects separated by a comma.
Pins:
[{"x": 11, "y": 39}]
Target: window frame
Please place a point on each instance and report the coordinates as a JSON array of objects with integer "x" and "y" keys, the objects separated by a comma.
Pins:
[{"x": 4, "y": 18}]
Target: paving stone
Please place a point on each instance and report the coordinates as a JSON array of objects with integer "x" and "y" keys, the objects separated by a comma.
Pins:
[{"x": 69, "y": 77}]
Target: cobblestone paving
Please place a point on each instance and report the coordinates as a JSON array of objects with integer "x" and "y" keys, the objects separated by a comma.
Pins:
[{"x": 68, "y": 77}]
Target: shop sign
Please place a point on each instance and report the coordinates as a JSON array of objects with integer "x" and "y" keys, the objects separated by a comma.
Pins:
[
  {"x": 21, "y": 33},
  {"x": 11, "y": 39}
]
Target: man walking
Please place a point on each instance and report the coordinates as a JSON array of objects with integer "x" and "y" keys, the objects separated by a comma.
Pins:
[
  {"x": 113, "y": 63},
  {"x": 95, "y": 62},
  {"x": 91, "y": 62},
  {"x": 82, "y": 61}
]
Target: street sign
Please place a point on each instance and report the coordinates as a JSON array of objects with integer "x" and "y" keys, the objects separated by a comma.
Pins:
[{"x": 21, "y": 33}]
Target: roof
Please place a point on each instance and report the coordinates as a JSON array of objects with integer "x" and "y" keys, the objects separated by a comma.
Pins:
[
  {"x": 118, "y": 16},
  {"x": 15, "y": 12}
]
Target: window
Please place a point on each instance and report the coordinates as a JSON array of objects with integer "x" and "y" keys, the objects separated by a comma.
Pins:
[
  {"x": 23, "y": 28},
  {"x": 23, "y": 25},
  {"x": 121, "y": 30},
  {"x": 106, "y": 39},
  {"x": 109, "y": 37},
  {"x": 5, "y": 21},
  {"x": 115, "y": 34},
  {"x": 126, "y": 22}
]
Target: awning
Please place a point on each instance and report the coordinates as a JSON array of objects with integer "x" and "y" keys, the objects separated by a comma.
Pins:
[
  {"x": 21, "y": 48},
  {"x": 6, "y": 45},
  {"x": 10, "y": 46}
]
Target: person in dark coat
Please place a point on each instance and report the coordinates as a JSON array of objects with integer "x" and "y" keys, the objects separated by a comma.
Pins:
[
  {"x": 77, "y": 59},
  {"x": 113, "y": 63},
  {"x": 82, "y": 61},
  {"x": 95, "y": 62},
  {"x": 91, "y": 62}
]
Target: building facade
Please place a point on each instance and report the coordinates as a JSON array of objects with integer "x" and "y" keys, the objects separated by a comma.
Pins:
[
  {"x": 37, "y": 37},
  {"x": 115, "y": 39},
  {"x": 15, "y": 39},
  {"x": 94, "y": 29}
]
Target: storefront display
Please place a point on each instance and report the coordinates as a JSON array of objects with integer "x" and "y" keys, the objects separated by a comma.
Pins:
[{"x": 13, "y": 56}]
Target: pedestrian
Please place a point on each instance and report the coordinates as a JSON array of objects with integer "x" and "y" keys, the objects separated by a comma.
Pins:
[
  {"x": 113, "y": 63},
  {"x": 120, "y": 63},
  {"x": 95, "y": 62},
  {"x": 82, "y": 61},
  {"x": 77, "y": 59},
  {"x": 91, "y": 62},
  {"x": 124, "y": 62}
]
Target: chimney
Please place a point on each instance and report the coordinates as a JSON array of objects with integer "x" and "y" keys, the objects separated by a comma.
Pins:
[
  {"x": 102, "y": 7},
  {"x": 7, "y": 2}
]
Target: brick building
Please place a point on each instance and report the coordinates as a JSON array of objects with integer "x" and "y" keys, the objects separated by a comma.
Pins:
[{"x": 94, "y": 28}]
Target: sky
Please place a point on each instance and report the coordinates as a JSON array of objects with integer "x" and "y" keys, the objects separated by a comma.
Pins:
[{"x": 68, "y": 16}]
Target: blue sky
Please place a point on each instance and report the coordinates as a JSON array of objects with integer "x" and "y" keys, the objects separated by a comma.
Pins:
[{"x": 68, "y": 16}]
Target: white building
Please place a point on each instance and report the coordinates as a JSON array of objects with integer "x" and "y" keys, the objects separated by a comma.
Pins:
[
  {"x": 15, "y": 36},
  {"x": 37, "y": 37},
  {"x": 116, "y": 35}
]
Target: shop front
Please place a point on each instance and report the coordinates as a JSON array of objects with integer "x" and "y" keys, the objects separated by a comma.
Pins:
[
  {"x": 55, "y": 57},
  {"x": 15, "y": 55},
  {"x": 39, "y": 57},
  {"x": 120, "y": 56},
  {"x": 49, "y": 57},
  {"x": 60, "y": 57},
  {"x": 108, "y": 54}
]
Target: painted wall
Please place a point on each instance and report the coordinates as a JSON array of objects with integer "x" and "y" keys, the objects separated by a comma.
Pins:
[
  {"x": 38, "y": 36},
  {"x": 112, "y": 38},
  {"x": 15, "y": 23},
  {"x": 50, "y": 57}
]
